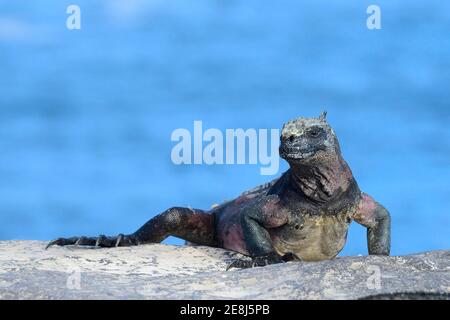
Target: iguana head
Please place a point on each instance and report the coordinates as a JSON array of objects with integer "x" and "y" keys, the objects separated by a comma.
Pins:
[{"x": 308, "y": 141}]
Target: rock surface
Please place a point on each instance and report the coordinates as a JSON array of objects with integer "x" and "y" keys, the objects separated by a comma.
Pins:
[{"x": 158, "y": 271}]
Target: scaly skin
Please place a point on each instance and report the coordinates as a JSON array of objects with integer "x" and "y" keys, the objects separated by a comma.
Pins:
[{"x": 303, "y": 215}]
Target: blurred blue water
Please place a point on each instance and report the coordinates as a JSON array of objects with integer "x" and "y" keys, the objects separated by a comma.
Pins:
[{"x": 86, "y": 116}]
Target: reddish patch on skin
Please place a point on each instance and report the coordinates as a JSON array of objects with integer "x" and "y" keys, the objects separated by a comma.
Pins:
[
  {"x": 366, "y": 210},
  {"x": 233, "y": 239},
  {"x": 231, "y": 235},
  {"x": 228, "y": 226},
  {"x": 243, "y": 199},
  {"x": 201, "y": 221},
  {"x": 275, "y": 215},
  {"x": 346, "y": 173}
]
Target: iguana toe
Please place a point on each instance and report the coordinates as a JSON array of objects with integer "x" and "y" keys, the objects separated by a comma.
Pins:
[
  {"x": 85, "y": 241},
  {"x": 103, "y": 241},
  {"x": 62, "y": 242},
  {"x": 291, "y": 257},
  {"x": 239, "y": 264},
  {"x": 120, "y": 238},
  {"x": 259, "y": 261}
]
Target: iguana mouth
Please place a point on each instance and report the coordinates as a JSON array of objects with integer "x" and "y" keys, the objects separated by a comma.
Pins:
[{"x": 287, "y": 152}]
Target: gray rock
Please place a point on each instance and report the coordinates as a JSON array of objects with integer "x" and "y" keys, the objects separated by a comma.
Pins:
[{"x": 158, "y": 271}]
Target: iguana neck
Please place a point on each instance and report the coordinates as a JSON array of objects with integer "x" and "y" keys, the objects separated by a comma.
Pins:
[{"x": 324, "y": 183}]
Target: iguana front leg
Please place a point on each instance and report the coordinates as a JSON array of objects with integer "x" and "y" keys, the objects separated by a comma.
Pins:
[
  {"x": 255, "y": 220},
  {"x": 376, "y": 218}
]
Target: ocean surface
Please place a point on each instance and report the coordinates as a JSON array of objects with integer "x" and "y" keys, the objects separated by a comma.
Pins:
[{"x": 86, "y": 115}]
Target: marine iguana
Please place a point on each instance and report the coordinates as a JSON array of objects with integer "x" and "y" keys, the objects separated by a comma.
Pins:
[{"x": 303, "y": 215}]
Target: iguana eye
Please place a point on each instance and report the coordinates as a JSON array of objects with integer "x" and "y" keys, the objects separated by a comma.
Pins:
[
  {"x": 315, "y": 132},
  {"x": 290, "y": 138}
]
